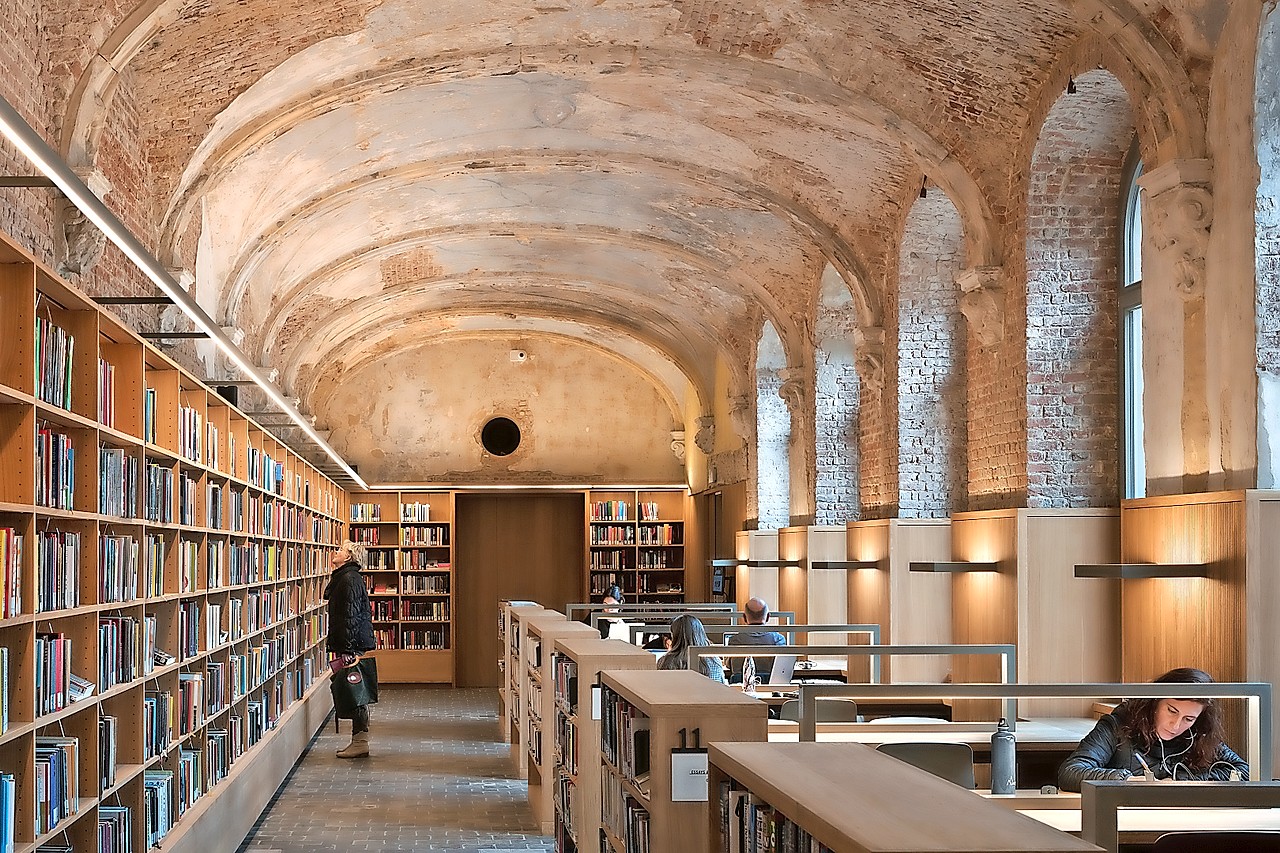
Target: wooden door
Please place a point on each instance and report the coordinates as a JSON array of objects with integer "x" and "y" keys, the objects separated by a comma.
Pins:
[{"x": 511, "y": 546}]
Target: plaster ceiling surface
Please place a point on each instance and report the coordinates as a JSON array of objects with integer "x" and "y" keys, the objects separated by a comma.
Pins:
[{"x": 366, "y": 175}]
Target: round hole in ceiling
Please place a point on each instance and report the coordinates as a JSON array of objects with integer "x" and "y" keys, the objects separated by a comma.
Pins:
[{"x": 500, "y": 436}]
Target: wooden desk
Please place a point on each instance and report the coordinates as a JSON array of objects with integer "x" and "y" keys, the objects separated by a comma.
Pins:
[
  {"x": 853, "y": 799},
  {"x": 1054, "y": 734},
  {"x": 1142, "y": 826}
]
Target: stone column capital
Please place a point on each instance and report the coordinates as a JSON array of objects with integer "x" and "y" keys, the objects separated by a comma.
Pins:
[{"x": 982, "y": 303}]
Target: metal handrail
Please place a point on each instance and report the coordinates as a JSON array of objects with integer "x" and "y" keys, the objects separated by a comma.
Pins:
[{"x": 1007, "y": 651}]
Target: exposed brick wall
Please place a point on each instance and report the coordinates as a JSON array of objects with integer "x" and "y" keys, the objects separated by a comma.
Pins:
[
  {"x": 932, "y": 462},
  {"x": 837, "y": 432},
  {"x": 773, "y": 436},
  {"x": 1074, "y": 221},
  {"x": 25, "y": 214}
]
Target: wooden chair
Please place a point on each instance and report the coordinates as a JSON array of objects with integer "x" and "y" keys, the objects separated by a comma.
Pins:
[
  {"x": 950, "y": 761},
  {"x": 829, "y": 711}
]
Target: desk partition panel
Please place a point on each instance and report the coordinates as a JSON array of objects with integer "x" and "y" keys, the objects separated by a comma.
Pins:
[{"x": 1256, "y": 694}]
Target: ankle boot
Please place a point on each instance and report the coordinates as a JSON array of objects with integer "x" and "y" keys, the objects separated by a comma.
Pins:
[{"x": 358, "y": 748}]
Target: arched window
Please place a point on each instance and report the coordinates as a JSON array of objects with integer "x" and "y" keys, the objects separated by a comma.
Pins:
[{"x": 1135, "y": 465}]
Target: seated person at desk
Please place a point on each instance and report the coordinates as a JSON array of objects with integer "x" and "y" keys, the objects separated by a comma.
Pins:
[
  {"x": 757, "y": 613},
  {"x": 687, "y": 631},
  {"x": 613, "y": 628},
  {"x": 1178, "y": 739}
]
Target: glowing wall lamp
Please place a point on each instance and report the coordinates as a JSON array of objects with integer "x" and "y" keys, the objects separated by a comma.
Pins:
[
  {"x": 52, "y": 166},
  {"x": 1142, "y": 570},
  {"x": 953, "y": 566}
]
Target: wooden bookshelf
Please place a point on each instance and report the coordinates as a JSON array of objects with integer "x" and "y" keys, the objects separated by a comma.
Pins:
[
  {"x": 848, "y": 798},
  {"x": 517, "y": 683},
  {"x": 636, "y": 539},
  {"x": 409, "y": 537},
  {"x": 540, "y": 712},
  {"x": 121, "y": 477},
  {"x": 663, "y": 703},
  {"x": 504, "y": 662},
  {"x": 576, "y": 666}
]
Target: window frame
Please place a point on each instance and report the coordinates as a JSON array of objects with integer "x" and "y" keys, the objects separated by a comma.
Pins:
[{"x": 1132, "y": 453}]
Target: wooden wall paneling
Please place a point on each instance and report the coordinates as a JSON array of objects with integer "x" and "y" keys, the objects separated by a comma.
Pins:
[
  {"x": 525, "y": 546},
  {"x": 696, "y": 550},
  {"x": 1171, "y": 622},
  {"x": 793, "y": 593},
  {"x": 1262, "y": 589},
  {"x": 763, "y": 581},
  {"x": 742, "y": 574},
  {"x": 867, "y": 590},
  {"x": 919, "y": 602},
  {"x": 1068, "y": 627},
  {"x": 17, "y": 345},
  {"x": 983, "y": 604},
  {"x": 827, "y": 594}
]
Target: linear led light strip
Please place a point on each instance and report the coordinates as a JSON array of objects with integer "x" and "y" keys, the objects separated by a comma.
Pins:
[{"x": 47, "y": 161}]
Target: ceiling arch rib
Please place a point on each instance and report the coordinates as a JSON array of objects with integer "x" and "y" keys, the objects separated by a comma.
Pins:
[
  {"x": 353, "y": 339},
  {"x": 778, "y": 88},
  {"x": 704, "y": 311},
  {"x": 685, "y": 342},
  {"x": 669, "y": 378}
]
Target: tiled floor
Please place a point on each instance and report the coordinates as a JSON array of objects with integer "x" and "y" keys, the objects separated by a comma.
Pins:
[{"x": 438, "y": 780}]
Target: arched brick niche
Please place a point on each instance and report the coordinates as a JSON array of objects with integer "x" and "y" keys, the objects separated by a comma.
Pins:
[
  {"x": 1074, "y": 222},
  {"x": 932, "y": 426},
  {"x": 836, "y": 404},
  {"x": 773, "y": 434}
]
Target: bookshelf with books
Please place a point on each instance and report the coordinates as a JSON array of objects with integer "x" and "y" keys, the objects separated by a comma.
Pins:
[
  {"x": 117, "y": 600},
  {"x": 516, "y": 681},
  {"x": 506, "y": 655},
  {"x": 636, "y": 539},
  {"x": 541, "y": 634},
  {"x": 576, "y": 663},
  {"x": 848, "y": 798},
  {"x": 645, "y": 718},
  {"x": 409, "y": 539}
]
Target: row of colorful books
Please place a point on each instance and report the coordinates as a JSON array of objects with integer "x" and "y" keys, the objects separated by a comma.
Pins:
[
  {"x": 159, "y": 494},
  {"x": 190, "y": 427},
  {"x": 117, "y": 568},
  {"x": 58, "y": 555},
  {"x": 55, "y": 352},
  {"x": 117, "y": 483},
  {"x": 748, "y": 824},
  {"x": 11, "y": 544},
  {"x": 55, "y": 469},
  {"x": 57, "y": 781},
  {"x": 106, "y": 393}
]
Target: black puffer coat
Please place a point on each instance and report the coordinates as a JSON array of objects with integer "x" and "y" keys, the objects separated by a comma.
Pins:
[
  {"x": 350, "y": 615},
  {"x": 1107, "y": 753}
]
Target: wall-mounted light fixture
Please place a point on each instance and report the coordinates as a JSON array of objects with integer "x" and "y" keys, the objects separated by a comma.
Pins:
[
  {"x": 845, "y": 564},
  {"x": 953, "y": 566},
  {"x": 1071, "y": 85},
  {"x": 1142, "y": 570},
  {"x": 924, "y": 188},
  {"x": 49, "y": 163}
]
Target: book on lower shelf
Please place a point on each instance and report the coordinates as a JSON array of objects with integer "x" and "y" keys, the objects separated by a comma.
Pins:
[
  {"x": 115, "y": 829},
  {"x": 748, "y": 824},
  {"x": 57, "y": 781},
  {"x": 158, "y": 801},
  {"x": 8, "y": 810},
  {"x": 58, "y": 577},
  {"x": 53, "y": 672},
  {"x": 11, "y": 544}
]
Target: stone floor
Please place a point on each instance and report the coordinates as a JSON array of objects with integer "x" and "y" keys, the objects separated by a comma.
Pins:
[{"x": 438, "y": 780}]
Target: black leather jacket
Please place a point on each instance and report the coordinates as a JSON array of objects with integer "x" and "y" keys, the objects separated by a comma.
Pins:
[
  {"x": 1107, "y": 753},
  {"x": 350, "y": 614}
]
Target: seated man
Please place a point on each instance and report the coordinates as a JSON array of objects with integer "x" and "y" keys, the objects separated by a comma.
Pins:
[{"x": 757, "y": 613}]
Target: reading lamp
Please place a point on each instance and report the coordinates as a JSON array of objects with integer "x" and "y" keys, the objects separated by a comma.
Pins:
[{"x": 52, "y": 166}]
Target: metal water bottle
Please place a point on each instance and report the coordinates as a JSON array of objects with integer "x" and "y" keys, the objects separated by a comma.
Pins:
[{"x": 1004, "y": 762}]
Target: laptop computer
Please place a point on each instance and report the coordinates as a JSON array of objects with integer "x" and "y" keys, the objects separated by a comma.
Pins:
[{"x": 784, "y": 667}]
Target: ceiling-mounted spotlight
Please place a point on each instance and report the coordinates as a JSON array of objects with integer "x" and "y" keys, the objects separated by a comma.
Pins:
[{"x": 1071, "y": 85}]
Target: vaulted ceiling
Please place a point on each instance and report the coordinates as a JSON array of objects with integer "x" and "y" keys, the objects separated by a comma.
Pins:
[{"x": 349, "y": 179}]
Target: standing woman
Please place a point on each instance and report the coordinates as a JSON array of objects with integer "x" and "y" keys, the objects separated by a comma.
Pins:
[{"x": 350, "y": 629}]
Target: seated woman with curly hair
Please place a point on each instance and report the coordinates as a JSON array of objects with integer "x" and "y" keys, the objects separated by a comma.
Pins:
[{"x": 1179, "y": 739}]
